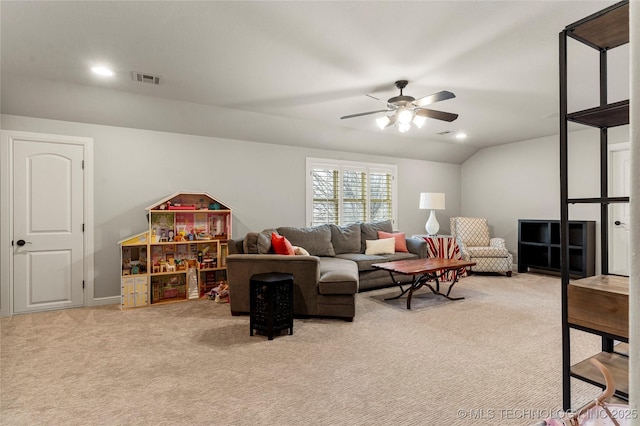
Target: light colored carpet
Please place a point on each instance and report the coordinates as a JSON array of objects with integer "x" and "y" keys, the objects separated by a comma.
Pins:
[{"x": 494, "y": 356}]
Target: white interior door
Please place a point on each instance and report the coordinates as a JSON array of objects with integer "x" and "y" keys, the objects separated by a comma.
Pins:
[
  {"x": 619, "y": 213},
  {"x": 48, "y": 244}
]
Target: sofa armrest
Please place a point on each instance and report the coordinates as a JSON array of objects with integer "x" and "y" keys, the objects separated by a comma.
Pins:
[
  {"x": 305, "y": 271},
  {"x": 497, "y": 242},
  {"x": 463, "y": 249},
  {"x": 418, "y": 246}
]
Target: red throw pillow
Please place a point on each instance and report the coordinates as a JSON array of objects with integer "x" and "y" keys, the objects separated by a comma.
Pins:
[
  {"x": 401, "y": 242},
  {"x": 281, "y": 245}
]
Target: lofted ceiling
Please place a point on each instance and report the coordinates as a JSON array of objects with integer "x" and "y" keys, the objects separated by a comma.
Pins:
[{"x": 285, "y": 72}]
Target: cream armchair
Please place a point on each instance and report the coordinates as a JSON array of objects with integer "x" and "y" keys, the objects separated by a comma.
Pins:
[{"x": 490, "y": 254}]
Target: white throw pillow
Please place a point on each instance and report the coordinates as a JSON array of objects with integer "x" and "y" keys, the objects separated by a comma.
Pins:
[
  {"x": 381, "y": 246},
  {"x": 299, "y": 251}
]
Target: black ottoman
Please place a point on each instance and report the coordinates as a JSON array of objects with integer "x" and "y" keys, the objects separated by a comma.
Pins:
[{"x": 271, "y": 303}]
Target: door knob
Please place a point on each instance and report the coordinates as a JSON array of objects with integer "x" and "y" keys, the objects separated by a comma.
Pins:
[
  {"x": 617, "y": 222},
  {"x": 22, "y": 242}
]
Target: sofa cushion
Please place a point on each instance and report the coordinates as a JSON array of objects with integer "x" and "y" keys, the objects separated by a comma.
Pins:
[
  {"x": 250, "y": 243},
  {"x": 345, "y": 239},
  {"x": 316, "y": 240},
  {"x": 258, "y": 242},
  {"x": 381, "y": 246},
  {"x": 364, "y": 261},
  {"x": 487, "y": 252},
  {"x": 337, "y": 276},
  {"x": 392, "y": 257},
  {"x": 369, "y": 231},
  {"x": 281, "y": 245},
  {"x": 299, "y": 251},
  {"x": 401, "y": 240}
]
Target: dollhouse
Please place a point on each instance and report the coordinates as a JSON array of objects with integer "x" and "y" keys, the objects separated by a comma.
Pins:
[{"x": 183, "y": 253}]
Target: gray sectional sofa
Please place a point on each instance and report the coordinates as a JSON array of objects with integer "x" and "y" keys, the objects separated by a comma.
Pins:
[{"x": 326, "y": 280}]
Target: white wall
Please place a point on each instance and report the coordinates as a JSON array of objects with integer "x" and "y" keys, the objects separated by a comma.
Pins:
[
  {"x": 521, "y": 180},
  {"x": 264, "y": 183}
]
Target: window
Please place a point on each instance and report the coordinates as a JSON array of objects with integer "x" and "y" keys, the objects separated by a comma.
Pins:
[{"x": 343, "y": 192}]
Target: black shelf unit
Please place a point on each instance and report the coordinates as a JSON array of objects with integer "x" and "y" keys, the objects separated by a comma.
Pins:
[
  {"x": 603, "y": 31},
  {"x": 539, "y": 246}
]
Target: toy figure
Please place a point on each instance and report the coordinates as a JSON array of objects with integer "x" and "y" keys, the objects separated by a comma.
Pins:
[
  {"x": 220, "y": 293},
  {"x": 126, "y": 266}
]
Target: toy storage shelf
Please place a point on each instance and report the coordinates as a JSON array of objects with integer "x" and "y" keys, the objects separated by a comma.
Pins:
[{"x": 184, "y": 251}]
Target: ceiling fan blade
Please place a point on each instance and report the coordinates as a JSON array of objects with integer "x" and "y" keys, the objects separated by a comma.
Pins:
[
  {"x": 438, "y": 115},
  {"x": 436, "y": 97},
  {"x": 372, "y": 97},
  {"x": 364, "y": 113},
  {"x": 392, "y": 120}
]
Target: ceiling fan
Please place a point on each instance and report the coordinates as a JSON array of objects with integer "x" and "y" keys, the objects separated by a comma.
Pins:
[{"x": 407, "y": 109}]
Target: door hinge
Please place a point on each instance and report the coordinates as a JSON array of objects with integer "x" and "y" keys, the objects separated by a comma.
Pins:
[
  {"x": 83, "y": 284},
  {"x": 83, "y": 227},
  {"x": 82, "y": 164}
]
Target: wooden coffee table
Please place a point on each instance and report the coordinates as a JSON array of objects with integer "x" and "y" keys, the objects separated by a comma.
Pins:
[{"x": 424, "y": 271}]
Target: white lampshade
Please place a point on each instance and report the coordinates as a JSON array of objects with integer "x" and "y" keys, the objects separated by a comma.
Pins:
[
  {"x": 432, "y": 201},
  {"x": 403, "y": 127}
]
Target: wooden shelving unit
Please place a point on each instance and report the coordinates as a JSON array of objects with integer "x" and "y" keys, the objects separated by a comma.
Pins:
[
  {"x": 185, "y": 251},
  {"x": 598, "y": 304}
]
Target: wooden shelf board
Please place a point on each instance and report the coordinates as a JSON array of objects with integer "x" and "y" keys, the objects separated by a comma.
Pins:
[
  {"x": 157, "y": 274},
  {"x": 606, "y": 200},
  {"x": 617, "y": 364},
  {"x": 190, "y": 211},
  {"x": 604, "y": 30},
  {"x": 606, "y": 283},
  {"x": 166, "y": 301},
  {"x": 622, "y": 349},
  {"x": 211, "y": 240},
  {"x": 611, "y": 115},
  {"x": 600, "y": 303}
]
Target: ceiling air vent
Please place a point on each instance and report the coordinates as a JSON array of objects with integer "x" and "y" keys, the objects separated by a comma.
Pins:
[
  {"x": 446, "y": 132},
  {"x": 145, "y": 78}
]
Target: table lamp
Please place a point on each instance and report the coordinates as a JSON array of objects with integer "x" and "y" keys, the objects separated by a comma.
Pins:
[{"x": 432, "y": 201}]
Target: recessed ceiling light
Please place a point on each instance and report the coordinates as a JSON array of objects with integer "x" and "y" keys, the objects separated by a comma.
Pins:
[
  {"x": 461, "y": 135},
  {"x": 102, "y": 71}
]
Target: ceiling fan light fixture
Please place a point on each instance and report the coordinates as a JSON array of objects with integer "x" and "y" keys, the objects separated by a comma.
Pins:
[
  {"x": 405, "y": 116},
  {"x": 406, "y": 110},
  {"x": 382, "y": 121},
  {"x": 419, "y": 121}
]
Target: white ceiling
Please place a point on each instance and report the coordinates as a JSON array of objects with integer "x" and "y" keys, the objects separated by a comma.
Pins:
[{"x": 284, "y": 72}]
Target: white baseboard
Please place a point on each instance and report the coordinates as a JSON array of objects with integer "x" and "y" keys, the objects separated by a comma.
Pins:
[
  {"x": 99, "y": 301},
  {"x": 112, "y": 300}
]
